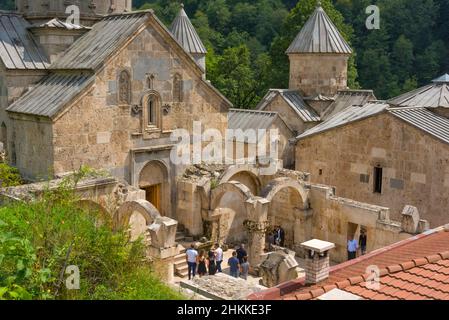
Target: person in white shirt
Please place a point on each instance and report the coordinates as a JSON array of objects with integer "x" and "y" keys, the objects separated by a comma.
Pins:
[
  {"x": 218, "y": 257},
  {"x": 192, "y": 261}
]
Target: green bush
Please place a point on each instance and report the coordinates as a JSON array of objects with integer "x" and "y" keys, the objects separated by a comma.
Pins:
[
  {"x": 9, "y": 176},
  {"x": 39, "y": 239}
]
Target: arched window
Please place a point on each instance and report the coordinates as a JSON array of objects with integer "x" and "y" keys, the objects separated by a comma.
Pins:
[
  {"x": 152, "y": 112},
  {"x": 124, "y": 95},
  {"x": 177, "y": 88}
]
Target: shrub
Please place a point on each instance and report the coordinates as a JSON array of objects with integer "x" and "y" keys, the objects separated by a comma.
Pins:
[
  {"x": 9, "y": 176},
  {"x": 38, "y": 240}
]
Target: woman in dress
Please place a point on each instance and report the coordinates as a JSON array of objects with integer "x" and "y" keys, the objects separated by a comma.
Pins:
[
  {"x": 202, "y": 268},
  {"x": 212, "y": 263}
]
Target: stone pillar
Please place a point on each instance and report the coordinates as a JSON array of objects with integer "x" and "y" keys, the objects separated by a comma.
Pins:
[
  {"x": 163, "y": 243},
  {"x": 317, "y": 260},
  {"x": 257, "y": 211},
  {"x": 302, "y": 229}
]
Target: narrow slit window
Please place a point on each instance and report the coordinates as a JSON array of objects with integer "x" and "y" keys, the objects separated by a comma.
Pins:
[
  {"x": 151, "y": 112},
  {"x": 378, "y": 173}
]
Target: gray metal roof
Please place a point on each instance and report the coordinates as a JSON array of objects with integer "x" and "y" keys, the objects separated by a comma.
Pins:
[
  {"x": 348, "y": 98},
  {"x": 51, "y": 95},
  {"x": 348, "y": 115},
  {"x": 105, "y": 38},
  {"x": 425, "y": 120},
  {"x": 294, "y": 100},
  {"x": 18, "y": 50},
  {"x": 58, "y": 24},
  {"x": 433, "y": 95},
  {"x": 183, "y": 31},
  {"x": 319, "y": 35},
  {"x": 250, "y": 119}
]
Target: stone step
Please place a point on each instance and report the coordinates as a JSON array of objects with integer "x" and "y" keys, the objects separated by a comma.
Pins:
[{"x": 179, "y": 259}]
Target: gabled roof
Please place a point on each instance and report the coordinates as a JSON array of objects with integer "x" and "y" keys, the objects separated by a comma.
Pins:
[
  {"x": 348, "y": 98},
  {"x": 424, "y": 120},
  {"x": 319, "y": 35},
  {"x": 433, "y": 95},
  {"x": 349, "y": 115},
  {"x": 183, "y": 31},
  {"x": 18, "y": 50},
  {"x": 294, "y": 100},
  {"x": 51, "y": 94},
  {"x": 245, "y": 119},
  {"x": 105, "y": 38}
]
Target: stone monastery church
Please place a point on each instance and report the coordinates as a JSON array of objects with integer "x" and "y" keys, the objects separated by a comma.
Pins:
[{"x": 109, "y": 92}]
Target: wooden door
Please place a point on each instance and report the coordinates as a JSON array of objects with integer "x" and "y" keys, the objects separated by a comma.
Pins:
[{"x": 153, "y": 195}]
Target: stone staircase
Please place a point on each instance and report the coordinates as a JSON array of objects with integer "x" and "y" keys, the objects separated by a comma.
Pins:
[{"x": 180, "y": 264}]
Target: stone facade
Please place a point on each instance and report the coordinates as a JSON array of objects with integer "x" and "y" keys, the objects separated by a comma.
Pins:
[
  {"x": 288, "y": 115},
  {"x": 314, "y": 73},
  {"x": 414, "y": 165}
]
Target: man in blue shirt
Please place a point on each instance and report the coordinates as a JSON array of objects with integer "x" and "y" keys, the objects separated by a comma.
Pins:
[
  {"x": 352, "y": 248},
  {"x": 234, "y": 265}
]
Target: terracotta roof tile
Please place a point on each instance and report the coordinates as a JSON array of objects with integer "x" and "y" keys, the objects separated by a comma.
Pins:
[
  {"x": 420, "y": 261},
  {"x": 414, "y": 269},
  {"x": 395, "y": 268},
  {"x": 343, "y": 284},
  {"x": 317, "y": 292},
  {"x": 434, "y": 258},
  {"x": 407, "y": 265},
  {"x": 355, "y": 280}
]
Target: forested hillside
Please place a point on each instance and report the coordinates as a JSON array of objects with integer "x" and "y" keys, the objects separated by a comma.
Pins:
[{"x": 246, "y": 40}]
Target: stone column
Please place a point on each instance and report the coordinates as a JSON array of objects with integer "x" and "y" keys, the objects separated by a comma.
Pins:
[{"x": 257, "y": 212}]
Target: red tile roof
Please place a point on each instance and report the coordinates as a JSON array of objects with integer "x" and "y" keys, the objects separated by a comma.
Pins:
[{"x": 416, "y": 268}]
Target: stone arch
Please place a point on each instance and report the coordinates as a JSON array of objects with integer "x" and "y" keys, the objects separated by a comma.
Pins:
[
  {"x": 92, "y": 206},
  {"x": 154, "y": 179},
  {"x": 246, "y": 174},
  {"x": 137, "y": 215},
  {"x": 228, "y": 203},
  {"x": 286, "y": 196},
  {"x": 270, "y": 191}
]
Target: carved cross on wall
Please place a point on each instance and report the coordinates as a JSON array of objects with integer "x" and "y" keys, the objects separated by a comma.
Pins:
[{"x": 150, "y": 80}]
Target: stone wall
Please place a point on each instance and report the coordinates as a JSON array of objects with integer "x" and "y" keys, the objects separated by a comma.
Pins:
[
  {"x": 334, "y": 218},
  {"x": 314, "y": 73},
  {"x": 13, "y": 84},
  {"x": 105, "y": 131},
  {"x": 415, "y": 165},
  {"x": 288, "y": 115}
]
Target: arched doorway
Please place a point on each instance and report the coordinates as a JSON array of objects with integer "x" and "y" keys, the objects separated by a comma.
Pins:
[
  {"x": 154, "y": 180},
  {"x": 286, "y": 196},
  {"x": 228, "y": 202}
]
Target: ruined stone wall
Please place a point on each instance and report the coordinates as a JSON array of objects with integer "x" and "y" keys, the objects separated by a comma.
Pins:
[
  {"x": 105, "y": 131},
  {"x": 415, "y": 165},
  {"x": 334, "y": 218},
  {"x": 313, "y": 74}
]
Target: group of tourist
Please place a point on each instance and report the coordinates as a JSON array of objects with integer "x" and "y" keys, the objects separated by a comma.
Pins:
[
  {"x": 354, "y": 246},
  {"x": 202, "y": 264},
  {"x": 276, "y": 237}
]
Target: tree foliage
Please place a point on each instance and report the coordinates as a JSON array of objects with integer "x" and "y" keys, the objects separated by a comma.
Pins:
[{"x": 410, "y": 49}]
